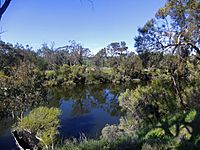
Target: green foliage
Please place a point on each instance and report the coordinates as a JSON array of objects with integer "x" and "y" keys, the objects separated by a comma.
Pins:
[
  {"x": 2, "y": 75},
  {"x": 50, "y": 74},
  {"x": 123, "y": 142},
  {"x": 163, "y": 111},
  {"x": 93, "y": 144},
  {"x": 22, "y": 91},
  {"x": 190, "y": 116},
  {"x": 74, "y": 75},
  {"x": 155, "y": 133},
  {"x": 43, "y": 122},
  {"x": 111, "y": 133},
  {"x": 149, "y": 103}
]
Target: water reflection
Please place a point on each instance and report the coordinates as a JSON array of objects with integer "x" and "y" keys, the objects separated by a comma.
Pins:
[
  {"x": 85, "y": 109},
  {"x": 86, "y": 98}
]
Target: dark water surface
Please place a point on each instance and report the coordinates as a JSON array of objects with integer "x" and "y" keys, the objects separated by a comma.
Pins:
[{"x": 85, "y": 110}]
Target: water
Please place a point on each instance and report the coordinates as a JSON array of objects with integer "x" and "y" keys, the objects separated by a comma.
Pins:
[{"x": 85, "y": 110}]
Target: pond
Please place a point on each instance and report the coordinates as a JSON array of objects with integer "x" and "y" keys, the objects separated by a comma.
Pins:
[{"x": 85, "y": 111}]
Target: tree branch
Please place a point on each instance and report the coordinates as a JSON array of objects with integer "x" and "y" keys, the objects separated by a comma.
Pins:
[{"x": 4, "y": 7}]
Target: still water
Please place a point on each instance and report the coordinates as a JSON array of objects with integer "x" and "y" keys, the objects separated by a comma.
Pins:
[{"x": 85, "y": 110}]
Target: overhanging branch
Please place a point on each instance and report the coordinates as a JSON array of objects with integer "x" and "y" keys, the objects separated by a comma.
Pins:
[{"x": 4, "y": 7}]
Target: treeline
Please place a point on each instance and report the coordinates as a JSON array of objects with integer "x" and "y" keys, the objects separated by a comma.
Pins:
[{"x": 73, "y": 64}]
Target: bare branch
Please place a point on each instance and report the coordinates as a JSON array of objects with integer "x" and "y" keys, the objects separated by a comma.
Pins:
[{"x": 4, "y": 7}]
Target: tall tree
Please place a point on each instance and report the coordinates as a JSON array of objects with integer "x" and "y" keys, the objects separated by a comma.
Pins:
[
  {"x": 101, "y": 57},
  {"x": 77, "y": 53},
  {"x": 175, "y": 30},
  {"x": 117, "y": 51}
]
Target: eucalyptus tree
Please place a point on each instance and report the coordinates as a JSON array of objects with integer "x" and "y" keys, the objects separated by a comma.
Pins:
[
  {"x": 168, "y": 101},
  {"x": 117, "y": 49},
  {"x": 116, "y": 52},
  {"x": 78, "y": 54},
  {"x": 101, "y": 58},
  {"x": 175, "y": 31}
]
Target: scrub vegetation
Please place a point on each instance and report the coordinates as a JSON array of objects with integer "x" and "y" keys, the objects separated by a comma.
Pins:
[{"x": 162, "y": 112}]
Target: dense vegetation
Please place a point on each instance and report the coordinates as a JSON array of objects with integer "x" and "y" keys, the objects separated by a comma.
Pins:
[{"x": 163, "y": 112}]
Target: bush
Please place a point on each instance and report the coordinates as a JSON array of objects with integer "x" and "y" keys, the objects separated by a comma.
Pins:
[
  {"x": 43, "y": 122},
  {"x": 112, "y": 132}
]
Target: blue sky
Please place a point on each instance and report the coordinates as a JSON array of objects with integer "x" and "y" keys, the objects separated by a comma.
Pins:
[{"x": 35, "y": 22}]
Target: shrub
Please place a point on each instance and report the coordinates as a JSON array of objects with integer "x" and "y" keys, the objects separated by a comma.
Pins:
[{"x": 43, "y": 122}]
